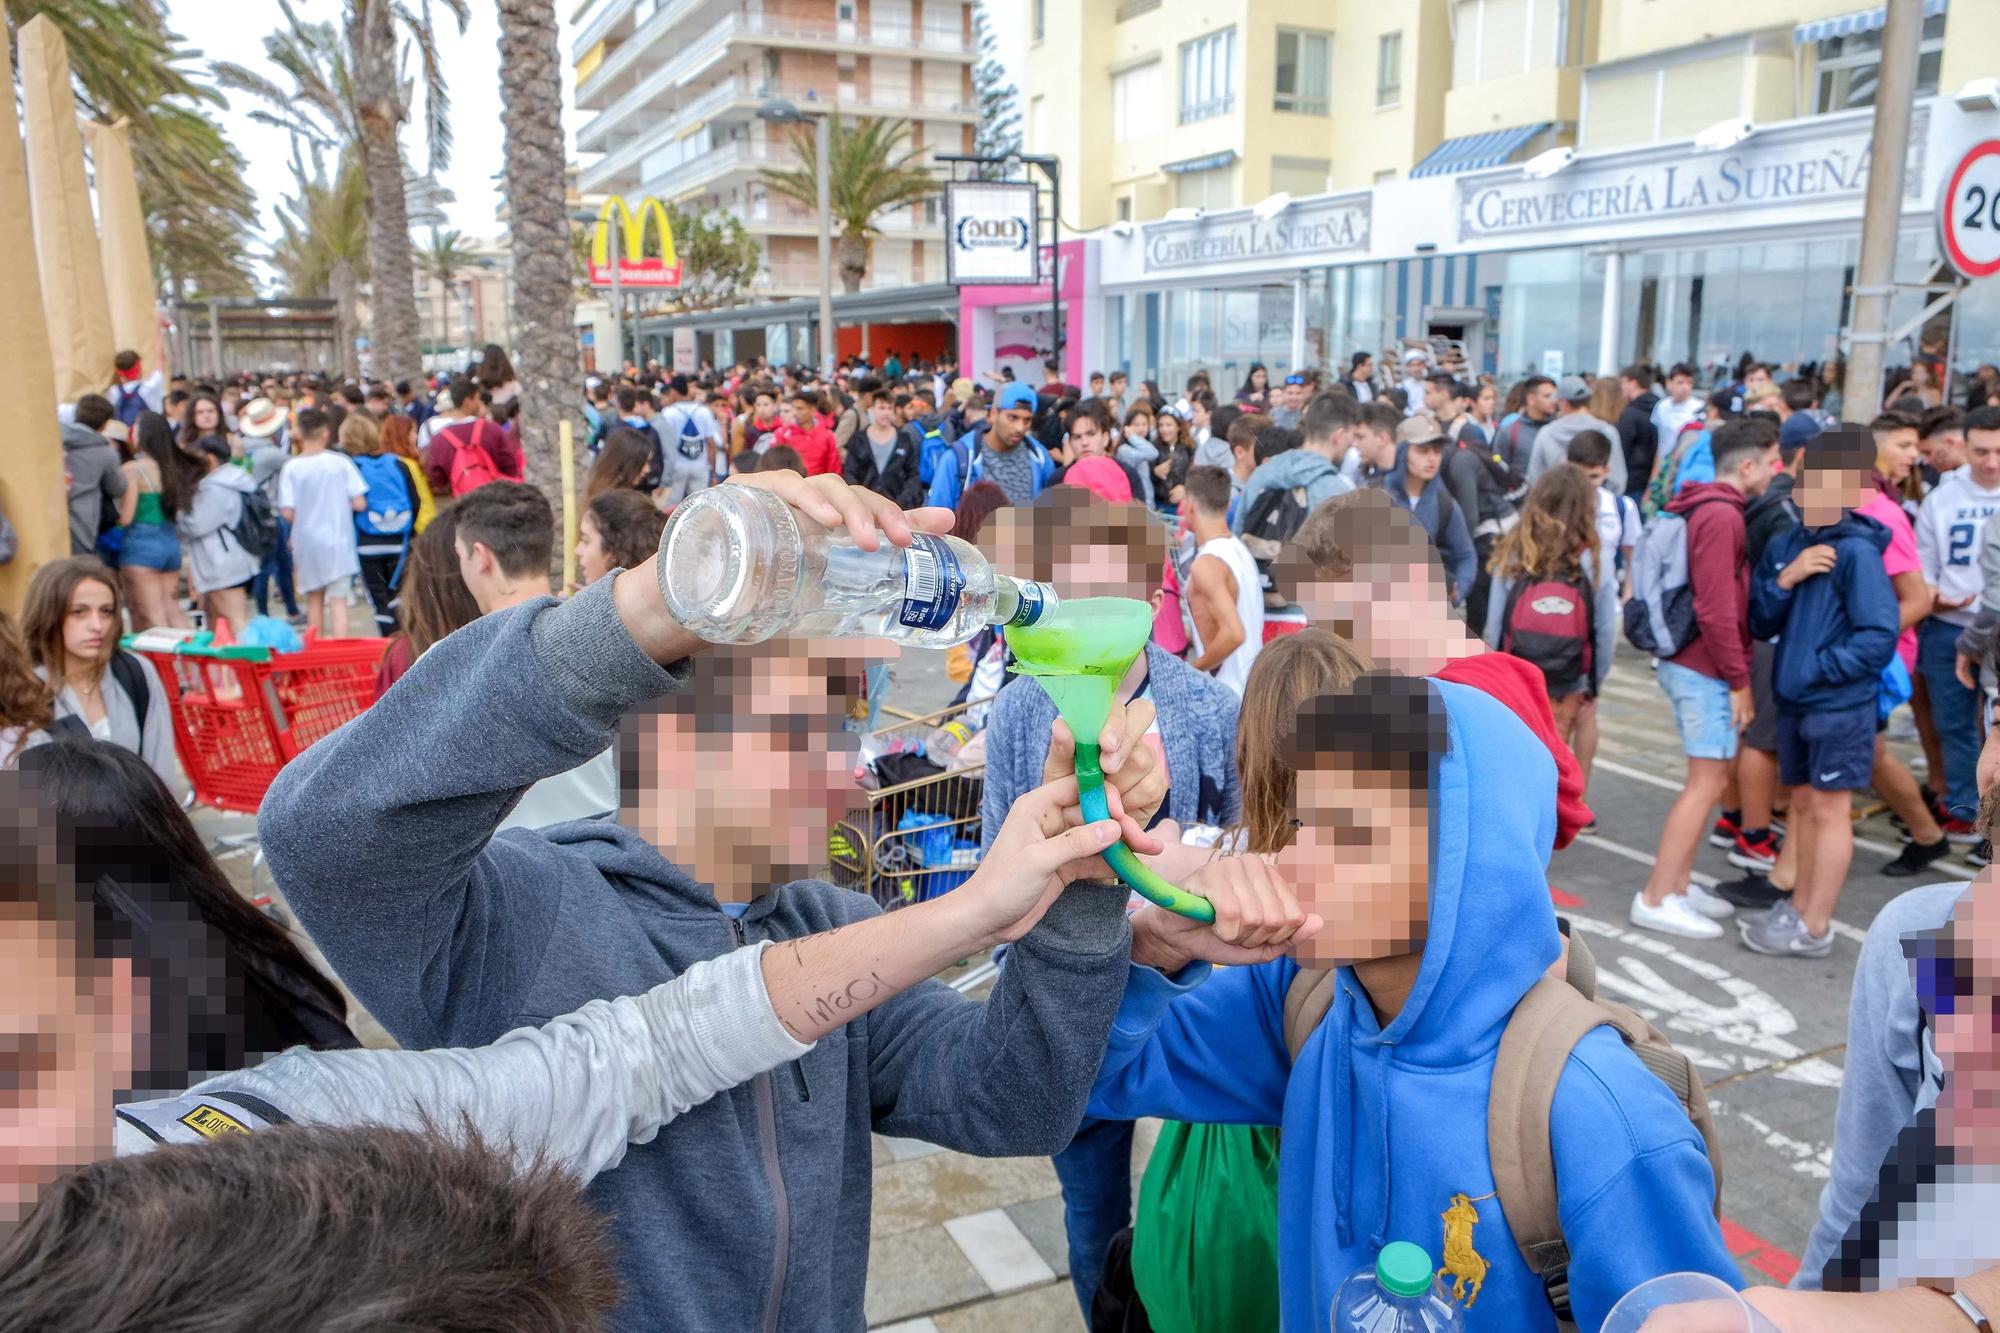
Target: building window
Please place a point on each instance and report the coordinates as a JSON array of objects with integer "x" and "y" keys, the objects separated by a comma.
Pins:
[
  {"x": 1303, "y": 60},
  {"x": 1124, "y": 208},
  {"x": 1208, "y": 76},
  {"x": 1850, "y": 66},
  {"x": 1136, "y": 102},
  {"x": 933, "y": 211},
  {"x": 1039, "y": 22},
  {"x": 1208, "y": 190},
  {"x": 1389, "y": 69}
]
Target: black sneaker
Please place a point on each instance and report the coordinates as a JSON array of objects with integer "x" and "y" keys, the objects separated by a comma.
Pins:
[
  {"x": 1752, "y": 893},
  {"x": 1917, "y": 857},
  {"x": 1981, "y": 856}
]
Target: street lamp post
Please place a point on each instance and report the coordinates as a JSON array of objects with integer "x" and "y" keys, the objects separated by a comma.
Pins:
[
  {"x": 617, "y": 290},
  {"x": 780, "y": 112}
]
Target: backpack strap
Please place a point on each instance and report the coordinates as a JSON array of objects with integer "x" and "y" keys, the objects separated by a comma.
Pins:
[
  {"x": 1306, "y": 1001},
  {"x": 131, "y": 678},
  {"x": 1534, "y": 1048}
]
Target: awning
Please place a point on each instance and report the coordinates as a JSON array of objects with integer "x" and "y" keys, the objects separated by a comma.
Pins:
[
  {"x": 1206, "y": 162},
  {"x": 1852, "y": 25},
  {"x": 1470, "y": 152}
]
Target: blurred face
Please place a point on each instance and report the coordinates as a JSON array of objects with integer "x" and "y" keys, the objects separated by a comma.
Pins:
[
  {"x": 90, "y": 623},
  {"x": 1488, "y": 399},
  {"x": 1824, "y": 494},
  {"x": 1945, "y": 450},
  {"x": 753, "y": 786},
  {"x": 1199, "y": 414},
  {"x": 1168, "y": 431},
  {"x": 766, "y": 407},
  {"x": 1378, "y": 447},
  {"x": 1260, "y": 378},
  {"x": 1366, "y": 370},
  {"x": 207, "y": 419},
  {"x": 593, "y": 562},
  {"x": 1541, "y": 400},
  {"x": 66, "y": 1049},
  {"x": 1963, "y": 997},
  {"x": 1295, "y": 396},
  {"x": 802, "y": 413},
  {"x": 1757, "y": 382},
  {"x": 1361, "y": 860},
  {"x": 1422, "y": 460},
  {"x": 1087, "y": 439},
  {"x": 1680, "y": 386},
  {"x": 1596, "y": 474},
  {"x": 1982, "y": 450},
  {"x": 1437, "y": 399},
  {"x": 882, "y": 413},
  {"x": 1896, "y": 454}
]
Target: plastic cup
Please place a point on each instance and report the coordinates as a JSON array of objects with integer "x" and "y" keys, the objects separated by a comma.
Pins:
[{"x": 1685, "y": 1303}]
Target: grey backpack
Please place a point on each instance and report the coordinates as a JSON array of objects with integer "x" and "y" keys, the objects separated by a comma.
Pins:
[{"x": 1660, "y": 617}]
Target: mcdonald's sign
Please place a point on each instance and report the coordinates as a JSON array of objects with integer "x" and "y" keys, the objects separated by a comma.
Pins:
[{"x": 636, "y": 268}]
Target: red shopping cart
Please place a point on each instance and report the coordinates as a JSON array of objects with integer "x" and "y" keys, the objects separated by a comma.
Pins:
[{"x": 241, "y": 713}]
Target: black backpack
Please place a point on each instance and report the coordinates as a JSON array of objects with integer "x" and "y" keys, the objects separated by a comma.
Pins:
[
  {"x": 256, "y": 529},
  {"x": 1272, "y": 520}
]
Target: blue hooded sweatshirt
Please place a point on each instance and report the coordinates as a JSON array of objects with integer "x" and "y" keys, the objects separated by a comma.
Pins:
[
  {"x": 1441, "y": 517},
  {"x": 1836, "y": 631},
  {"x": 1382, "y": 1127}
]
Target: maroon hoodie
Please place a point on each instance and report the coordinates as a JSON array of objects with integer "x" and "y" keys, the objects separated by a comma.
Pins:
[{"x": 1719, "y": 572}]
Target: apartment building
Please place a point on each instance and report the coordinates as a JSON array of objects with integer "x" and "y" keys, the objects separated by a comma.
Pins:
[
  {"x": 1157, "y": 105},
  {"x": 668, "y": 92}
]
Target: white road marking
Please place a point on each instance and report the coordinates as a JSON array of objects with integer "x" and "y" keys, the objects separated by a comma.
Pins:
[
  {"x": 1752, "y": 1021},
  {"x": 1808, "y": 1159},
  {"x": 1707, "y": 881},
  {"x": 1866, "y": 844},
  {"x": 995, "y": 1247}
]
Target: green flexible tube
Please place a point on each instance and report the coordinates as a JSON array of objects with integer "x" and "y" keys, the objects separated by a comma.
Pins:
[{"x": 1143, "y": 879}]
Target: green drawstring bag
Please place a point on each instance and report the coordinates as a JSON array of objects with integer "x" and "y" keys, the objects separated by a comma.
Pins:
[{"x": 1205, "y": 1245}]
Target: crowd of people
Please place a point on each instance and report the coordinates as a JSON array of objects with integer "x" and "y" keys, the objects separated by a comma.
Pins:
[{"x": 568, "y": 860}]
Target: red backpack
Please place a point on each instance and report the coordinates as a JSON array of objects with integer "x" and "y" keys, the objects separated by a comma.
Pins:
[
  {"x": 1553, "y": 623},
  {"x": 472, "y": 463}
]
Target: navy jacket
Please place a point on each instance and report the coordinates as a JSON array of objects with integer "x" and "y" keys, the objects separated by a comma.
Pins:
[
  {"x": 1440, "y": 516},
  {"x": 1837, "y": 630}
]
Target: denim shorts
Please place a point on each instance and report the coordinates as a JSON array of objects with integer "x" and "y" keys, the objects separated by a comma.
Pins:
[
  {"x": 151, "y": 546},
  {"x": 1701, "y": 711},
  {"x": 1832, "y": 749}
]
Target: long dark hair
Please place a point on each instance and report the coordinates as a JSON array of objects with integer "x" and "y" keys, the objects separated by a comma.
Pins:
[
  {"x": 622, "y": 462},
  {"x": 227, "y": 985},
  {"x": 191, "y": 432},
  {"x": 628, "y": 526},
  {"x": 153, "y": 436},
  {"x": 495, "y": 370},
  {"x": 434, "y": 592}
]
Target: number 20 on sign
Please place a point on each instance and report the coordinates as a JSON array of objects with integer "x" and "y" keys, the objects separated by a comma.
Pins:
[{"x": 1968, "y": 212}]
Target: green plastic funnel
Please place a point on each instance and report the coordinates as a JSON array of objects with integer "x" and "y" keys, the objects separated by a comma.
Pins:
[{"x": 1078, "y": 656}]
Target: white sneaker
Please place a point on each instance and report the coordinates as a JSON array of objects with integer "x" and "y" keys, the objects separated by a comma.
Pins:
[
  {"x": 1711, "y": 905},
  {"x": 1673, "y": 917}
]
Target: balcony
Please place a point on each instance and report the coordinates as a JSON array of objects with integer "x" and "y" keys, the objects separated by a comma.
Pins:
[
  {"x": 703, "y": 172},
  {"x": 807, "y": 33},
  {"x": 775, "y": 215}
]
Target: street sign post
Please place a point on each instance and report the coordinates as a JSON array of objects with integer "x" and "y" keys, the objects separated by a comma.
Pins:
[{"x": 1968, "y": 212}]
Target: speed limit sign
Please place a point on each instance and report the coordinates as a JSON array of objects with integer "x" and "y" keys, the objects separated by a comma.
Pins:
[{"x": 1968, "y": 212}]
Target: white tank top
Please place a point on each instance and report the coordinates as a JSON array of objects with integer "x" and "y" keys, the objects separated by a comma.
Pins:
[{"x": 1235, "y": 669}]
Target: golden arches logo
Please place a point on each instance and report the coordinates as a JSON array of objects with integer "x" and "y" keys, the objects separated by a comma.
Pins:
[{"x": 635, "y": 267}]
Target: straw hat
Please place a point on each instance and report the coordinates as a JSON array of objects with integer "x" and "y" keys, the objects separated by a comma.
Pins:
[{"x": 260, "y": 419}]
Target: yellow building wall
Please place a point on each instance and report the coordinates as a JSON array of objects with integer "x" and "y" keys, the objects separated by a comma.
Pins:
[
  {"x": 1498, "y": 104},
  {"x": 1637, "y": 27},
  {"x": 1971, "y": 45}
]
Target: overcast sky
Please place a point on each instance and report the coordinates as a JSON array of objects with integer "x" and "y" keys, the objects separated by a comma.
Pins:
[{"x": 231, "y": 30}]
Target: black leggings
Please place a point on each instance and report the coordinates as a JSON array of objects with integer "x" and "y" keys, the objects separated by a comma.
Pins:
[{"x": 377, "y": 575}]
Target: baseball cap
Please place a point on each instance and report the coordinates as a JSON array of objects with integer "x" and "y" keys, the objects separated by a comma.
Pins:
[
  {"x": 1016, "y": 395},
  {"x": 1420, "y": 429},
  {"x": 1572, "y": 389}
]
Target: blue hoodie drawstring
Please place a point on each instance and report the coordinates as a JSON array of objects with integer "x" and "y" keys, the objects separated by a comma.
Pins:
[
  {"x": 1380, "y": 1238},
  {"x": 1343, "y": 1166}
]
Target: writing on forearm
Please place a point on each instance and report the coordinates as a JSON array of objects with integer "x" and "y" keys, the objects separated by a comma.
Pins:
[{"x": 832, "y": 1008}]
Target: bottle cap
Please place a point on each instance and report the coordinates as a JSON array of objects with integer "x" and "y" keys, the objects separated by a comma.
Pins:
[{"x": 1403, "y": 1269}]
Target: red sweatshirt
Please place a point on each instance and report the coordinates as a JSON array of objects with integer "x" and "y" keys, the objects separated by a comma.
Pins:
[
  {"x": 1519, "y": 684},
  {"x": 1719, "y": 572},
  {"x": 815, "y": 447}
]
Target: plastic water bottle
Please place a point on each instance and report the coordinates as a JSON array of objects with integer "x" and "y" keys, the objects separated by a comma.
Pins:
[
  {"x": 1399, "y": 1294},
  {"x": 739, "y": 565}
]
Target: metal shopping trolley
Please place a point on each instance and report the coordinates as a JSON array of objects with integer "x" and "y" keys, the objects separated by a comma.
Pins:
[{"x": 912, "y": 840}]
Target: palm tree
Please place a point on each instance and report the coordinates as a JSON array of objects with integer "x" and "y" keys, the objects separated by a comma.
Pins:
[
  {"x": 869, "y": 169},
  {"x": 346, "y": 92},
  {"x": 322, "y": 247},
  {"x": 128, "y": 64},
  {"x": 444, "y": 259},
  {"x": 545, "y": 350}
]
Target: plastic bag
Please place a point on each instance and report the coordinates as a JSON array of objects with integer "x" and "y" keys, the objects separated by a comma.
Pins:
[{"x": 1205, "y": 1245}]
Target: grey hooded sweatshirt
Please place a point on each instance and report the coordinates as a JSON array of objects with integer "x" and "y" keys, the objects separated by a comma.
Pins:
[
  {"x": 94, "y": 477},
  {"x": 750, "y": 1211}
]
